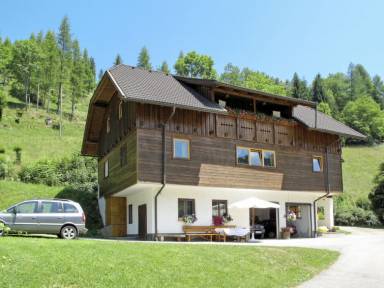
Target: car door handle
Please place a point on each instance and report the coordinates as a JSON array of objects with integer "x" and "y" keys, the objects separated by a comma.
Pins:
[
  {"x": 33, "y": 218},
  {"x": 60, "y": 217}
]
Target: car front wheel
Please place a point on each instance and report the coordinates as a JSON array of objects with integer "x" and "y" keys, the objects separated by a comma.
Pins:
[{"x": 68, "y": 232}]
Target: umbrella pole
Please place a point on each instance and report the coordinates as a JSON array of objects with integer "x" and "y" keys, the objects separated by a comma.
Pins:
[{"x": 253, "y": 224}]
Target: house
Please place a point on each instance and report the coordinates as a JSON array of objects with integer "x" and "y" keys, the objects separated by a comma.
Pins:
[{"x": 170, "y": 146}]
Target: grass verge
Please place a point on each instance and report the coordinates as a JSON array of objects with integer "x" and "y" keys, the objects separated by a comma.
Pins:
[{"x": 34, "y": 262}]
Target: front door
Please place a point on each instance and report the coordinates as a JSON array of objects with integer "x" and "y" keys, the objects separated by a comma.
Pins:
[
  {"x": 302, "y": 219},
  {"x": 143, "y": 221}
]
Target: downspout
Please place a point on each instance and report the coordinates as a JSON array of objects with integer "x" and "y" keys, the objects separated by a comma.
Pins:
[
  {"x": 163, "y": 166},
  {"x": 327, "y": 186}
]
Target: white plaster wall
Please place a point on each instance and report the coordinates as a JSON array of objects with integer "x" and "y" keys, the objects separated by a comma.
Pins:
[
  {"x": 327, "y": 203},
  {"x": 168, "y": 205},
  {"x": 137, "y": 199}
]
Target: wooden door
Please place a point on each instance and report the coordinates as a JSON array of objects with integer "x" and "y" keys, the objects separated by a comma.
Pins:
[{"x": 143, "y": 221}]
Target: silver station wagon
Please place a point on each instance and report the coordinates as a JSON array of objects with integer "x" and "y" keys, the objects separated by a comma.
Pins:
[{"x": 64, "y": 218}]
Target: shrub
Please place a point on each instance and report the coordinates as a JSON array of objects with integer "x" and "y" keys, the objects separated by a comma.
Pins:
[
  {"x": 5, "y": 167},
  {"x": 86, "y": 195},
  {"x": 377, "y": 195},
  {"x": 356, "y": 216},
  {"x": 68, "y": 171}
]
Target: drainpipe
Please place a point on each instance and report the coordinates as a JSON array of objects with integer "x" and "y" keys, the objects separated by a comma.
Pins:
[
  {"x": 316, "y": 116},
  {"x": 327, "y": 186},
  {"x": 164, "y": 175}
]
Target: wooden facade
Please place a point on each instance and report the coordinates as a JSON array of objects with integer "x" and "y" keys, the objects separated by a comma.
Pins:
[{"x": 213, "y": 141}]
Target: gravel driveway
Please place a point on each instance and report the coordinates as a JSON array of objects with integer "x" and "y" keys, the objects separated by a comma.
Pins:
[{"x": 361, "y": 263}]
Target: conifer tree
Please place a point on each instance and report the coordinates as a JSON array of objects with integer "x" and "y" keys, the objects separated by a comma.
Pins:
[
  {"x": 64, "y": 42},
  {"x": 143, "y": 60},
  {"x": 118, "y": 60},
  {"x": 164, "y": 68},
  {"x": 318, "y": 91}
]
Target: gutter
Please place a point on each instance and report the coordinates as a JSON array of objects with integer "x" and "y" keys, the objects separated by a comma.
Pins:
[
  {"x": 164, "y": 174},
  {"x": 327, "y": 189}
]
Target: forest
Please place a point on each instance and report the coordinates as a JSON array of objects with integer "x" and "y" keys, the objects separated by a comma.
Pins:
[{"x": 51, "y": 72}]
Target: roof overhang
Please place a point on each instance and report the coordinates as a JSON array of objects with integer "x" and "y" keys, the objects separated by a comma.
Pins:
[{"x": 228, "y": 88}]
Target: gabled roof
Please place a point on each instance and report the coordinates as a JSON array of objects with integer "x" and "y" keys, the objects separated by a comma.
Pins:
[
  {"x": 154, "y": 87},
  {"x": 325, "y": 123}
]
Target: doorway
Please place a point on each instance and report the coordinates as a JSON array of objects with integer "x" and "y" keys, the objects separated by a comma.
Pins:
[
  {"x": 265, "y": 222},
  {"x": 301, "y": 220},
  {"x": 142, "y": 221}
]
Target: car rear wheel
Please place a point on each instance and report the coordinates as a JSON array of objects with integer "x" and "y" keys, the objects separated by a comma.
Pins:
[{"x": 68, "y": 232}]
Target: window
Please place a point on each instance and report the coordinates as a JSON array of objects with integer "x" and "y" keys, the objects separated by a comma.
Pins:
[
  {"x": 27, "y": 207},
  {"x": 255, "y": 157},
  {"x": 123, "y": 155},
  {"x": 269, "y": 158},
  {"x": 51, "y": 207},
  {"x": 108, "y": 124},
  {"x": 120, "y": 110},
  {"x": 69, "y": 208},
  {"x": 219, "y": 208},
  {"x": 317, "y": 164},
  {"x": 106, "y": 168},
  {"x": 180, "y": 148},
  {"x": 186, "y": 207},
  {"x": 242, "y": 155},
  {"x": 130, "y": 214}
]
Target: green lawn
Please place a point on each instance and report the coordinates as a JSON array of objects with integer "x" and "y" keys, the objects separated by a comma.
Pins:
[
  {"x": 38, "y": 262},
  {"x": 13, "y": 192},
  {"x": 361, "y": 165}
]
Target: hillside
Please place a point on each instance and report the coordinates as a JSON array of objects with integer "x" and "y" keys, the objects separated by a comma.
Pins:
[
  {"x": 360, "y": 166},
  {"x": 37, "y": 140}
]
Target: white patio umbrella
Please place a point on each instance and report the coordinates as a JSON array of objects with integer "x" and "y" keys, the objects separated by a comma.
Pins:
[{"x": 253, "y": 202}]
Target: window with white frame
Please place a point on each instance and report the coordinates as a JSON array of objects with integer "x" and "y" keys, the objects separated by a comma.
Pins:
[{"x": 181, "y": 148}]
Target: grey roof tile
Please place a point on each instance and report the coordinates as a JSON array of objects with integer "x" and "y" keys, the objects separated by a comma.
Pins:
[
  {"x": 155, "y": 87},
  {"x": 325, "y": 123}
]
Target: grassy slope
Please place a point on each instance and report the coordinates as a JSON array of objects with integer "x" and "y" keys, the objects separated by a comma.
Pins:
[
  {"x": 36, "y": 140},
  {"x": 361, "y": 164},
  {"x": 36, "y": 262},
  {"x": 13, "y": 192}
]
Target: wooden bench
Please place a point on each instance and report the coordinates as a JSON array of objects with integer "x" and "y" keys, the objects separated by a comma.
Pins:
[{"x": 204, "y": 232}]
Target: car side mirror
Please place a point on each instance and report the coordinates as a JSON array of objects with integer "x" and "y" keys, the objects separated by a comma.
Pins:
[{"x": 14, "y": 210}]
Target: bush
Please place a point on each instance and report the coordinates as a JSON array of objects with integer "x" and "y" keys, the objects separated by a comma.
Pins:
[
  {"x": 5, "y": 167},
  {"x": 68, "y": 171},
  {"x": 86, "y": 195},
  {"x": 356, "y": 216},
  {"x": 377, "y": 195}
]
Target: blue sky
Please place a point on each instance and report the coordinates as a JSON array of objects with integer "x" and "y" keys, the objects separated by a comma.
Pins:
[{"x": 276, "y": 37}]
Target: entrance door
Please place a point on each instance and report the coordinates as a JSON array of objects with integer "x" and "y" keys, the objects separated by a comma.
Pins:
[
  {"x": 143, "y": 221},
  {"x": 302, "y": 223}
]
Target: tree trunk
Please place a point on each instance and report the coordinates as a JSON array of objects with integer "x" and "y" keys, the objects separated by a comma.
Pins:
[
  {"x": 73, "y": 109},
  {"x": 61, "y": 108},
  {"x": 38, "y": 94},
  {"x": 26, "y": 96}
]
